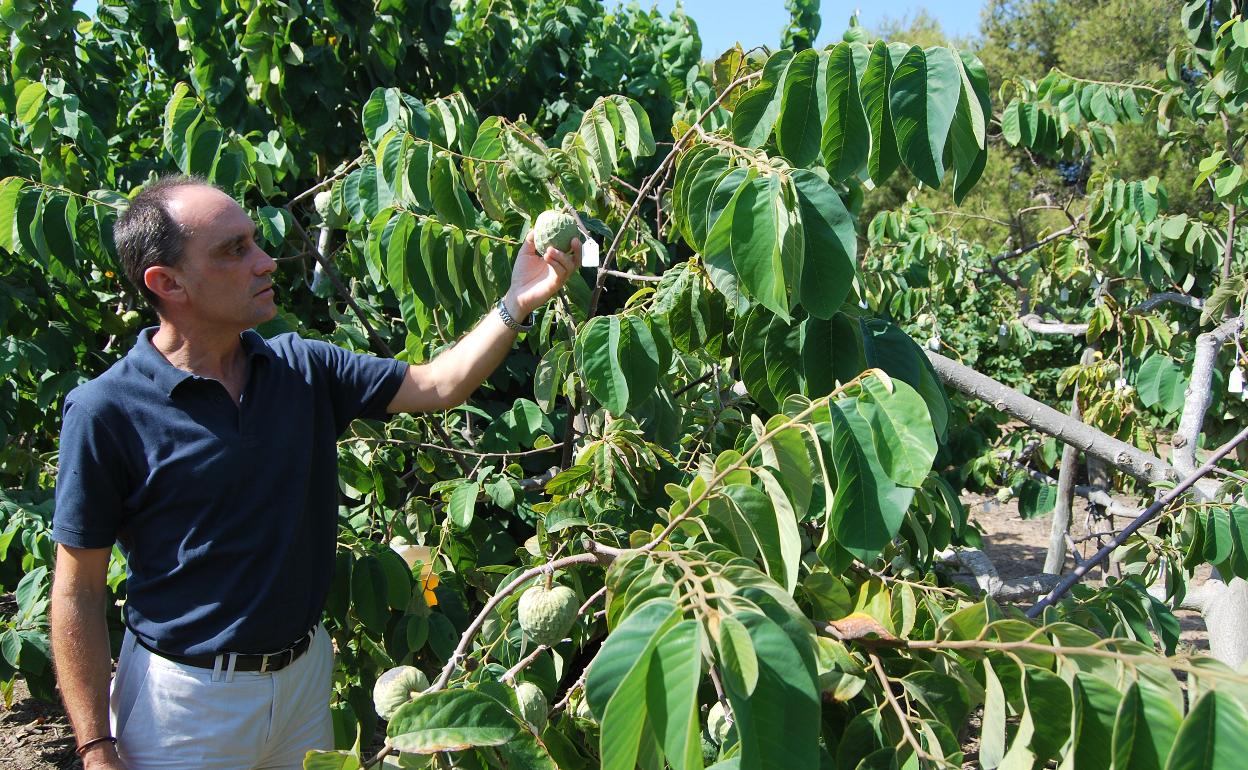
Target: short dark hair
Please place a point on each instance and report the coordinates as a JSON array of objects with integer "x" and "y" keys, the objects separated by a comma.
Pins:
[{"x": 146, "y": 234}]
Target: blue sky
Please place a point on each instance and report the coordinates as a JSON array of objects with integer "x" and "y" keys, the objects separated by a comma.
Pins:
[{"x": 759, "y": 22}]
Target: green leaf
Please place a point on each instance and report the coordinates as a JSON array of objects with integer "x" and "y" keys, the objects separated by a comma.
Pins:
[
  {"x": 450, "y": 720},
  {"x": 463, "y": 503},
  {"x": 830, "y": 249},
  {"x": 1161, "y": 382},
  {"x": 756, "y": 113},
  {"x": 923, "y": 97},
  {"x": 901, "y": 428},
  {"x": 332, "y": 760},
  {"x": 778, "y": 724},
  {"x": 786, "y": 454},
  {"x": 992, "y": 728},
  {"x": 846, "y": 141},
  {"x": 10, "y": 195},
  {"x": 1213, "y": 737},
  {"x": 628, "y": 644},
  {"x": 381, "y": 112},
  {"x": 756, "y": 510},
  {"x": 738, "y": 661},
  {"x": 884, "y": 159},
  {"x": 798, "y": 126},
  {"x": 672, "y": 694},
  {"x": 1144, "y": 729},
  {"x": 368, "y": 593},
  {"x": 619, "y": 359},
  {"x": 1095, "y": 704},
  {"x": 867, "y": 508},
  {"x": 30, "y": 102},
  {"x": 450, "y": 201},
  {"x": 758, "y": 220}
]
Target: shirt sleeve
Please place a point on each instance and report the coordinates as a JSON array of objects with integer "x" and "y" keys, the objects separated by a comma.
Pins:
[
  {"x": 359, "y": 385},
  {"x": 90, "y": 482}
]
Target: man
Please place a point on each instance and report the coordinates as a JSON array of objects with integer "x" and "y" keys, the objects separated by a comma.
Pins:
[{"x": 209, "y": 454}]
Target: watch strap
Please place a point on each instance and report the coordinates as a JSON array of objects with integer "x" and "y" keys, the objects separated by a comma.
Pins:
[{"x": 511, "y": 322}]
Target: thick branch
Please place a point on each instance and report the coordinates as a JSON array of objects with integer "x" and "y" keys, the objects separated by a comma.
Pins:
[
  {"x": 1038, "y": 325},
  {"x": 1149, "y": 514},
  {"x": 1161, "y": 298},
  {"x": 1136, "y": 463},
  {"x": 984, "y": 572},
  {"x": 1200, "y": 392}
]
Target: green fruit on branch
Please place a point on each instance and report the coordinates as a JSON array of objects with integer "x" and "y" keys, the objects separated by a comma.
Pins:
[
  {"x": 554, "y": 228},
  {"x": 533, "y": 706},
  {"x": 396, "y": 687},
  {"x": 546, "y": 615}
]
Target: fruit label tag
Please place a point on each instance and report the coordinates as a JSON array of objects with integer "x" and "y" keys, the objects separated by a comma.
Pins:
[
  {"x": 589, "y": 253},
  {"x": 1235, "y": 383},
  {"x": 1064, "y": 294}
]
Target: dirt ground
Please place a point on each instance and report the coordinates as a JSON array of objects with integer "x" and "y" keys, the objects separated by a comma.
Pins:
[{"x": 35, "y": 735}]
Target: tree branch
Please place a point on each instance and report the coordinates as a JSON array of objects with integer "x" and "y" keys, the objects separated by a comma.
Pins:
[
  {"x": 1139, "y": 464},
  {"x": 1148, "y": 514},
  {"x": 1200, "y": 392},
  {"x": 1038, "y": 325}
]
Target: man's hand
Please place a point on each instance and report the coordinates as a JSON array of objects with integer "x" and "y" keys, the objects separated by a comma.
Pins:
[{"x": 536, "y": 277}]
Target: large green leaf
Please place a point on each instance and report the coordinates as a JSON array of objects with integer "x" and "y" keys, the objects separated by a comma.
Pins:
[
  {"x": 1213, "y": 737},
  {"x": 619, "y": 359},
  {"x": 760, "y": 221},
  {"x": 628, "y": 644},
  {"x": 846, "y": 141},
  {"x": 868, "y": 508},
  {"x": 901, "y": 428},
  {"x": 756, "y": 113},
  {"x": 992, "y": 726},
  {"x": 1144, "y": 729},
  {"x": 10, "y": 195},
  {"x": 923, "y": 98},
  {"x": 799, "y": 124},
  {"x": 1161, "y": 382},
  {"x": 1095, "y": 704},
  {"x": 737, "y": 659},
  {"x": 778, "y": 724},
  {"x": 450, "y": 720},
  {"x": 883, "y": 160},
  {"x": 756, "y": 509},
  {"x": 830, "y": 248},
  {"x": 369, "y": 591},
  {"x": 672, "y": 694}
]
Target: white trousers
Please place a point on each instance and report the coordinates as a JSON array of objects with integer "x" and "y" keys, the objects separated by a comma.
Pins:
[{"x": 169, "y": 715}]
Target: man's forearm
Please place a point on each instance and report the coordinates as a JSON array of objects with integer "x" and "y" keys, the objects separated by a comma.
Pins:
[
  {"x": 80, "y": 651},
  {"x": 458, "y": 371},
  {"x": 450, "y": 378}
]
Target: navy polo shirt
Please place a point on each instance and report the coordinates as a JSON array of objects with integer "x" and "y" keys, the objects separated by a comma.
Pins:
[{"x": 227, "y": 514}]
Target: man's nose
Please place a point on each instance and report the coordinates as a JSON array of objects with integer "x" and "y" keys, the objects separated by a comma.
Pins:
[{"x": 266, "y": 263}]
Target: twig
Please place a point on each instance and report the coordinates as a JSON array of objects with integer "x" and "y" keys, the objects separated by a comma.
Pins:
[
  {"x": 690, "y": 386},
  {"x": 635, "y": 276},
  {"x": 649, "y": 183},
  {"x": 902, "y": 718},
  {"x": 486, "y": 455},
  {"x": 1139, "y": 521},
  {"x": 330, "y": 180},
  {"x": 340, "y": 287}
]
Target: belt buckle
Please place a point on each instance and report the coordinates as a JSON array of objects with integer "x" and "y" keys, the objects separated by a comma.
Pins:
[{"x": 264, "y": 663}]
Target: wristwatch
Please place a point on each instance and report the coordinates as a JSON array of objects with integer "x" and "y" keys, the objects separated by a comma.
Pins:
[{"x": 512, "y": 323}]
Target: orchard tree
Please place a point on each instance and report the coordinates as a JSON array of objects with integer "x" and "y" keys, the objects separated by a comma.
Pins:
[{"x": 698, "y": 517}]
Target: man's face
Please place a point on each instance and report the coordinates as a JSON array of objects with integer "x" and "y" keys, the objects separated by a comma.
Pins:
[{"x": 225, "y": 277}]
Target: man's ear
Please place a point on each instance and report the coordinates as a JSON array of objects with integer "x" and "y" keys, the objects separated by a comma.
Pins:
[{"x": 163, "y": 281}]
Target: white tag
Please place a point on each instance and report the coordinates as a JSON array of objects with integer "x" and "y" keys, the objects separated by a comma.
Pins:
[
  {"x": 1236, "y": 381},
  {"x": 1002, "y": 330},
  {"x": 1064, "y": 294},
  {"x": 589, "y": 253}
]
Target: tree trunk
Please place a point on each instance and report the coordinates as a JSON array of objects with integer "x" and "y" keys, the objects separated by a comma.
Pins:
[{"x": 1055, "y": 559}]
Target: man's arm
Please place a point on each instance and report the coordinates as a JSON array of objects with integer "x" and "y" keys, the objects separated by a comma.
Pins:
[
  {"x": 80, "y": 647},
  {"x": 450, "y": 378}
]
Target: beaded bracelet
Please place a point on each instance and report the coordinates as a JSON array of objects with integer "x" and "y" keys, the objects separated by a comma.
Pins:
[{"x": 83, "y": 748}]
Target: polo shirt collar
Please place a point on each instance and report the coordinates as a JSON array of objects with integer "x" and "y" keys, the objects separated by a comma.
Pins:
[{"x": 148, "y": 360}]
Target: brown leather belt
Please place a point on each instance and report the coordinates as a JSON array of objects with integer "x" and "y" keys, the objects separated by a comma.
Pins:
[{"x": 273, "y": 661}]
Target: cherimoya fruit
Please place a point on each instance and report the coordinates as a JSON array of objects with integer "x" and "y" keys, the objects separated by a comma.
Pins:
[
  {"x": 546, "y": 615},
  {"x": 554, "y": 228}
]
